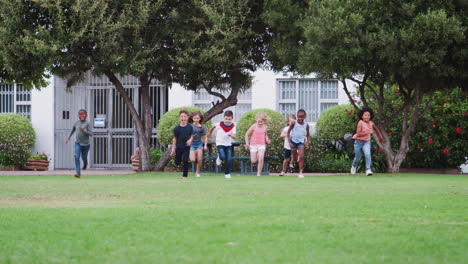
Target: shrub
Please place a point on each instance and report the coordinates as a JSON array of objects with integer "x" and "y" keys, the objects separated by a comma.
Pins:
[
  {"x": 440, "y": 139},
  {"x": 155, "y": 155},
  {"x": 17, "y": 137},
  {"x": 171, "y": 120},
  {"x": 37, "y": 156},
  {"x": 337, "y": 121},
  {"x": 276, "y": 123}
]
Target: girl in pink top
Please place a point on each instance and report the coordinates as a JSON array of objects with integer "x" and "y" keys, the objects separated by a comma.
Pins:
[
  {"x": 362, "y": 139},
  {"x": 258, "y": 133}
]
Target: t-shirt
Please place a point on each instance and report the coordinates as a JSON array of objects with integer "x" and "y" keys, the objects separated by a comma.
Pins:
[
  {"x": 366, "y": 127},
  {"x": 222, "y": 133},
  {"x": 182, "y": 134},
  {"x": 286, "y": 141},
  {"x": 82, "y": 137},
  {"x": 198, "y": 133}
]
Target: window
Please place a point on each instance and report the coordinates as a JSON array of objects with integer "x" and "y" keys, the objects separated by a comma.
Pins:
[
  {"x": 312, "y": 95},
  {"x": 14, "y": 98},
  {"x": 204, "y": 100}
]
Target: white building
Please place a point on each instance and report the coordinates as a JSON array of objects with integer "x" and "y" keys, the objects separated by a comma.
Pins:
[{"x": 53, "y": 110}]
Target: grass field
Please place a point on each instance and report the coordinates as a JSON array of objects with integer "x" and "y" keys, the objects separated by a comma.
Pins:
[{"x": 160, "y": 218}]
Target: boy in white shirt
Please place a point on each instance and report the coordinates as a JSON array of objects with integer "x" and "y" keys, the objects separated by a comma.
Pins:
[{"x": 225, "y": 133}]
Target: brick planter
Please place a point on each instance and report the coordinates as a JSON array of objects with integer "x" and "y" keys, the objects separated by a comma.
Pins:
[
  {"x": 37, "y": 165},
  {"x": 135, "y": 165}
]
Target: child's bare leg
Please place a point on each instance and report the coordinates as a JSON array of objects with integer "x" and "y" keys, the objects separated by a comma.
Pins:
[
  {"x": 294, "y": 155},
  {"x": 285, "y": 165},
  {"x": 300, "y": 151},
  {"x": 192, "y": 156},
  {"x": 261, "y": 156},
  {"x": 199, "y": 160},
  {"x": 253, "y": 157}
]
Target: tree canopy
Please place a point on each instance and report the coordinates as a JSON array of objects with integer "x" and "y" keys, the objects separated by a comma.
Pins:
[{"x": 419, "y": 46}]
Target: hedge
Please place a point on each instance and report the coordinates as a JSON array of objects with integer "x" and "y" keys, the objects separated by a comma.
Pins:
[{"x": 17, "y": 138}]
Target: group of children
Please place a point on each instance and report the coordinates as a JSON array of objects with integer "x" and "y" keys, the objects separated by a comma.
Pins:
[
  {"x": 189, "y": 133},
  {"x": 191, "y": 138}
]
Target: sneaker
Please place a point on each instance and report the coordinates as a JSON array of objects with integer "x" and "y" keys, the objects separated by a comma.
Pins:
[
  {"x": 300, "y": 176},
  {"x": 227, "y": 176},
  {"x": 369, "y": 172},
  {"x": 353, "y": 170},
  {"x": 77, "y": 175},
  {"x": 198, "y": 175},
  {"x": 281, "y": 173},
  {"x": 218, "y": 161}
]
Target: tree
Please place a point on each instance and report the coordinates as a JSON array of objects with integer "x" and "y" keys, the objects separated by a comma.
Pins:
[
  {"x": 227, "y": 44},
  {"x": 200, "y": 44},
  {"x": 419, "y": 46},
  {"x": 19, "y": 45}
]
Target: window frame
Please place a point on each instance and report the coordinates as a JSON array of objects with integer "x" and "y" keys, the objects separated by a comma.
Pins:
[
  {"x": 295, "y": 101},
  {"x": 17, "y": 101}
]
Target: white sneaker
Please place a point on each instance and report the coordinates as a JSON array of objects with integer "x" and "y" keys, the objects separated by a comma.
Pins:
[
  {"x": 227, "y": 176},
  {"x": 198, "y": 175},
  {"x": 353, "y": 170},
  {"x": 218, "y": 161},
  {"x": 300, "y": 176},
  {"x": 369, "y": 172}
]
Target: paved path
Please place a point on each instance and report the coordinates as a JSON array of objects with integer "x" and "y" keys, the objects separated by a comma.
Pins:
[
  {"x": 113, "y": 172},
  {"x": 65, "y": 172}
]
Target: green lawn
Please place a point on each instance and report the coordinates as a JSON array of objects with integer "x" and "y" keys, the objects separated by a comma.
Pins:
[{"x": 160, "y": 218}]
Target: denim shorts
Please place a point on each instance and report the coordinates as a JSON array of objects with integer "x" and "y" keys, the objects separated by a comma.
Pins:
[
  {"x": 196, "y": 146},
  {"x": 296, "y": 145}
]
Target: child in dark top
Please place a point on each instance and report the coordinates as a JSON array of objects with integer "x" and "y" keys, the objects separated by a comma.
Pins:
[
  {"x": 197, "y": 146},
  {"x": 83, "y": 130},
  {"x": 181, "y": 142}
]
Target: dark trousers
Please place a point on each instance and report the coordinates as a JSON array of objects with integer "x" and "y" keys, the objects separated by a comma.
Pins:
[
  {"x": 182, "y": 156},
  {"x": 83, "y": 152},
  {"x": 225, "y": 154}
]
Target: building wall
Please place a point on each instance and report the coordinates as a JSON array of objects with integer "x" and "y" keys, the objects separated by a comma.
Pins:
[
  {"x": 179, "y": 97},
  {"x": 42, "y": 119}
]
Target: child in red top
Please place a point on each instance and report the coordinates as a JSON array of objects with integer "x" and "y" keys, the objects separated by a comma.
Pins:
[
  {"x": 362, "y": 140},
  {"x": 258, "y": 140}
]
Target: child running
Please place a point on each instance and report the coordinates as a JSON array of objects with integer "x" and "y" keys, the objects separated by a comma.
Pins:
[
  {"x": 196, "y": 148},
  {"x": 287, "y": 147},
  {"x": 83, "y": 131},
  {"x": 258, "y": 133},
  {"x": 183, "y": 136},
  {"x": 362, "y": 139},
  {"x": 225, "y": 133},
  {"x": 297, "y": 133}
]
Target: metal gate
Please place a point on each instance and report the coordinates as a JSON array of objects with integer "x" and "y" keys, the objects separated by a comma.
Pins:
[{"x": 114, "y": 139}]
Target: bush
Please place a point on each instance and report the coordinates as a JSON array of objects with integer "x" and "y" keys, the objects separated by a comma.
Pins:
[
  {"x": 17, "y": 137},
  {"x": 170, "y": 120},
  {"x": 440, "y": 139},
  {"x": 276, "y": 123},
  {"x": 337, "y": 121},
  {"x": 37, "y": 156},
  {"x": 155, "y": 155}
]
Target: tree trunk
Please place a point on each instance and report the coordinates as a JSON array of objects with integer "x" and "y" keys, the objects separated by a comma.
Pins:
[
  {"x": 164, "y": 160},
  {"x": 411, "y": 116},
  {"x": 143, "y": 140}
]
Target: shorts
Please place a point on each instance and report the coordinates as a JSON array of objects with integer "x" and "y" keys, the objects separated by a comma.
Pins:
[
  {"x": 297, "y": 145},
  {"x": 256, "y": 148},
  {"x": 196, "y": 146},
  {"x": 287, "y": 154}
]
